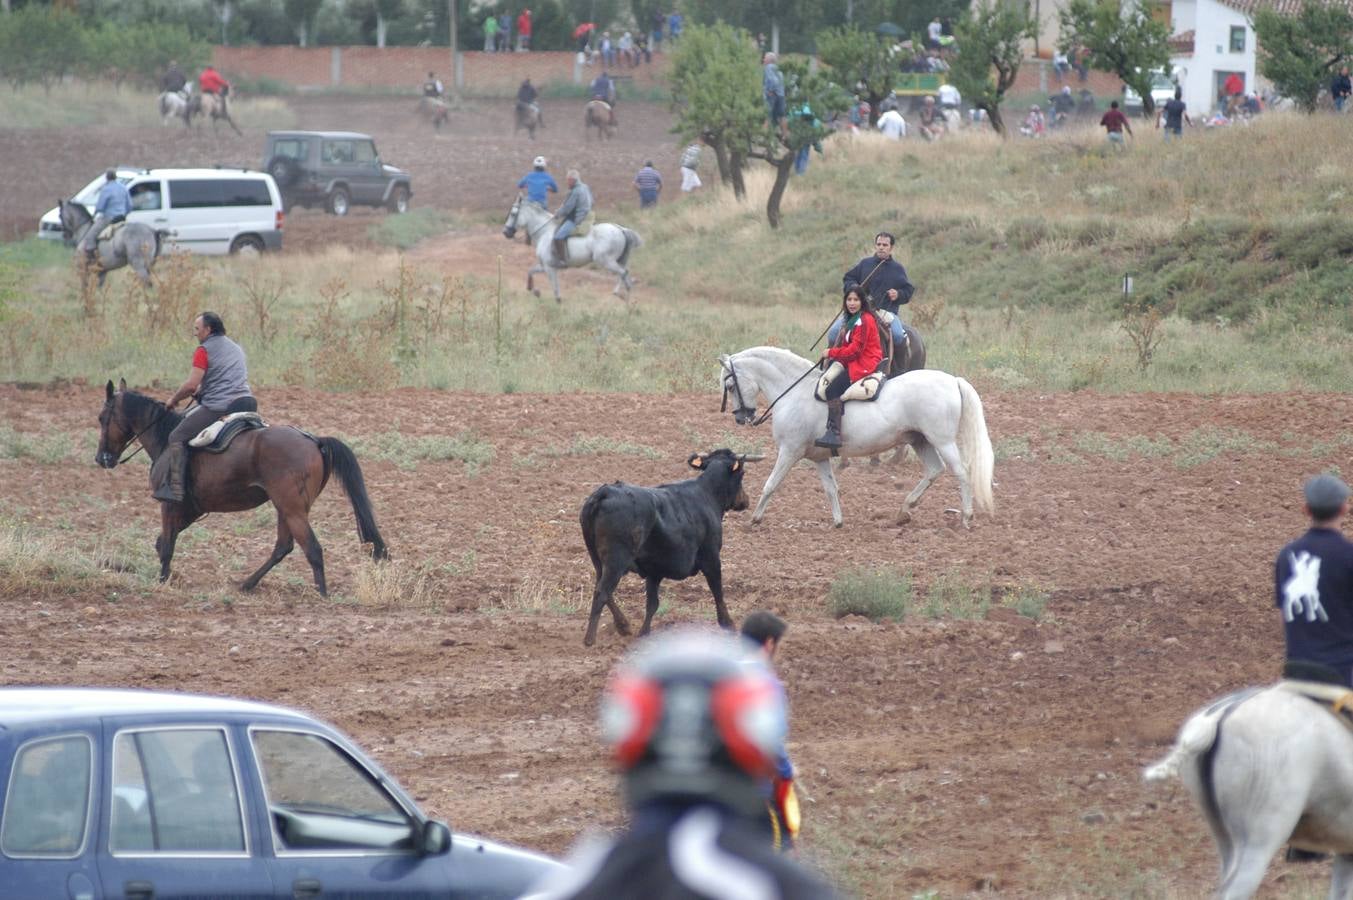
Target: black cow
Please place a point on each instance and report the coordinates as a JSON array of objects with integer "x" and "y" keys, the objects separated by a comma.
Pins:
[{"x": 670, "y": 531}]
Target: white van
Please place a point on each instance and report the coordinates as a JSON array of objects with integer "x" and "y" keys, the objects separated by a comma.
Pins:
[{"x": 211, "y": 211}]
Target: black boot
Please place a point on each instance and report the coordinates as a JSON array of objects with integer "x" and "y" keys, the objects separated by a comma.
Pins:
[
  {"x": 831, "y": 438},
  {"x": 561, "y": 251},
  {"x": 173, "y": 474}
]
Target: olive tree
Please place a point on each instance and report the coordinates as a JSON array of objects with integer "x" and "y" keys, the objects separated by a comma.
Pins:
[
  {"x": 716, "y": 94},
  {"x": 859, "y": 58},
  {"x": 1299, "y": 53},
  {"x": 990, "y": 48},
  {"x": 1122, "y": 38}
]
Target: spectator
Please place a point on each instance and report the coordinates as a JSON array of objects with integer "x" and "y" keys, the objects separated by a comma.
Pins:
[
  {"x": 1232, "y": 90},
  {"x": 490, "y": 34},
  {"x": 690, "y": 161},
  {"x": 659, "y": 20},
  {"x": 949, "y": 98},
  {"x": 1174, "y": 115},
  {"x": 607, "y": 50},
  {"x": 893, "y": 125},
  {"x": 626, "y": 48},
  {"x": 773, "y": 86},
  {"x": 674, "y": 21},
  {"x": 504, "y": 32},
  {"x": 1081, "y": 60},
  {"x": 1340, "y": 88},
  {"x": 802, "y": 157},
  {"x": 524, "y": 30},
  {"x": 1035, "y": 123},
  {"x": 1061, "y": 66},
  {"x": 692, "y": 779},
  {"x": 1114, "y": 122},
  {"x": 641, "y": 48},
  {"x": 765, "y": 631},
  {"x": 933, "y": 33},
  {"x": 931, "y": 121},
  {"x": 649, "y": 184}
]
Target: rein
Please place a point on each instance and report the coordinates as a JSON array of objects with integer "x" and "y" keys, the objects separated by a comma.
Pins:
[
  {"x": 531, "y": 235},
  {"x": 761, "y": 419},
  {"x": 861, "y": 287},
  {"x": 164, "y": 411}
]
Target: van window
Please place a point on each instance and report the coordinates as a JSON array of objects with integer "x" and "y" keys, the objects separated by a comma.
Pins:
[
  {"x": 146, "y": 195},
  {"x": 47, "y": 804},
  {"x": 174, "y": 790},
  {"x": 364, "y": 151},
  {"x": 336, "y": 152},
  {"x": 186, "y": 194},
  {"x": 246, "y": 192}
]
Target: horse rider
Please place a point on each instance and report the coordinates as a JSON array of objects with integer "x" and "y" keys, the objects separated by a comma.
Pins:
[
  {"x": 526, "y": 100},
  {"x": 886, "y": 286},
  {"x": 114, "y": 202},
  {"x": 433, "y": 87},
  {"x": 603, "y": 88},
  {"x": 211, "y": 82},
  {"x": 220, "y": 381},
  {"x": 765, "y": 631},
  {"x": 538, "y": 183},
  {"x": 576, "y": 208},
  {"x": 1313, "y": 587},
  {"x": 692, "y": 720},
  {"x": 852, "y": 363},
  {"x": 173, "y": 80}
]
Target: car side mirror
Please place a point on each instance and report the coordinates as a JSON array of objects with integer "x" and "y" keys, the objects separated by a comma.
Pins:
[{"x": 435, "y": 838}]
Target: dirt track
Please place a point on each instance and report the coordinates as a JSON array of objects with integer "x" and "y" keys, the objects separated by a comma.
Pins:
[
  {"x": 947, "y": 755},
  {"x": 999, "y": 755}
]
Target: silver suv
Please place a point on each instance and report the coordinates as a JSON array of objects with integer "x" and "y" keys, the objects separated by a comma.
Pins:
[{"x": 334, "y": 169}]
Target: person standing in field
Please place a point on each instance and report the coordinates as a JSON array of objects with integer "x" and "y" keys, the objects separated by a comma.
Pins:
[{"x": 1114, "y": 122}]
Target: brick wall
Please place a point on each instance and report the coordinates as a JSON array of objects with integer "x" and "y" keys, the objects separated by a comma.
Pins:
[{"x": 362, "y": 67}]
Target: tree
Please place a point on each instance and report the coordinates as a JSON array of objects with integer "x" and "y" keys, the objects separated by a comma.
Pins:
[
  {"x": 1299, "y": 53},
  {"x": 859, "y": 57},
  {"x": 797, "y": 20},
  {"x": 716, "y": 94},
  {"x": 301, "y": 14},
  {"x": 40, "y": 44},
  {"x": 810, "y": 100},
  {"x": 1124, "y": 40},
  {"x": 990, "y": 48}
]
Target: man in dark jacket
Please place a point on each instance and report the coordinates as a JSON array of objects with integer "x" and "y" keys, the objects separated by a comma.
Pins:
[
  {"x": 884, "y": 280},
  {"x": 1340, "y": 88},
  {"x": 694, "y": 721},
  {"x": 173, "y": 79},
  {"x": 1313, "y": 588}
]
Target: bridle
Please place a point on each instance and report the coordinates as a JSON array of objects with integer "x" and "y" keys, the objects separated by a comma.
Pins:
[
  {"x": 136, "y": 438},
  {"x": 744, "y": 414},
  {"x": 515, "y": 215}
]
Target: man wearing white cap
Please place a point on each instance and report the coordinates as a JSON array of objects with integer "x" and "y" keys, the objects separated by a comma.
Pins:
[
  {"x": 1313, "y": 582},
  {"x": 538, "y": 183}
]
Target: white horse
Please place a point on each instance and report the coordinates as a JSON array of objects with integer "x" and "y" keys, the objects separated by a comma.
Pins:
[
  {"x": 1267, "y": 766},
  {"x": 173, "y": 105},
  {"x": 605, "y": 244},
  {"x": 939, "y": 415}
]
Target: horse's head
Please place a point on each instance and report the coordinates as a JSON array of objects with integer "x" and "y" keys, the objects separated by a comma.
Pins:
[
  {"x": 742, "y": 387},
  {"x": 510, "y": 226},
  {"x": 73, "y": 217},
  {"x": 115, "y": 432}
]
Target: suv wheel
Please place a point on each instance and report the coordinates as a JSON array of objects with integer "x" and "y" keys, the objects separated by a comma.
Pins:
[
  {"x": 339, "y": 201},
  {"x": 399, "y": 200},
  {"x": 283, "y": 170},
  {"x": 247, "y": 245}
]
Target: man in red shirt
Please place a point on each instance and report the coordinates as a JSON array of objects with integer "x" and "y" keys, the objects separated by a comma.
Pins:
[
  {"x": 211, "y": 82},
  {"x": 524, "y": 30},
  {"x": 1114, "y": 122},
  {"x": 1232, "y": 88}
]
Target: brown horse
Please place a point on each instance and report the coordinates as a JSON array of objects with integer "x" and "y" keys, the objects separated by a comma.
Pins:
[
  {"x": 279, "y": 464},
  {"x": 434, "y": 110},
  {"x": 211, "y": 106},
  {"x": 601, "y": 116}
]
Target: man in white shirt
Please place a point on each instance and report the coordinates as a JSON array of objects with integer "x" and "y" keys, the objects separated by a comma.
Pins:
[{"x": 893, "y": 125}]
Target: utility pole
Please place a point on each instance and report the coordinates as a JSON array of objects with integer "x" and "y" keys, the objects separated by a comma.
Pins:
[{"x": 457, "y": 76}]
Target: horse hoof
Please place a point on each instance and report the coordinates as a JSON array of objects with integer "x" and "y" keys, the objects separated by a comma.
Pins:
[
  {"x": 904, "y": 517},
  {"x": 837, "y": 523}
]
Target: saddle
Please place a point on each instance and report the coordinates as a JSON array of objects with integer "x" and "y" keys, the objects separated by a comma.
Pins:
[
  {"x": 217, "y": 436},
  {"x": 1334, "y": 697},
  {"x": 111, "y": 229}
]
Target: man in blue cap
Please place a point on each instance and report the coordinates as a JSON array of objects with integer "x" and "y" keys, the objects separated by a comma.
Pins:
[{"x": 1313, "y": 585}]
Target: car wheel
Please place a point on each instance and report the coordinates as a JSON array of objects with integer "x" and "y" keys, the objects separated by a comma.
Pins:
[
  {"x": 247, "y": 245},
  {"x": 283, "y": 170},
  {"x": 339, "y": 201},
  {"x": 399, "y": 200}
]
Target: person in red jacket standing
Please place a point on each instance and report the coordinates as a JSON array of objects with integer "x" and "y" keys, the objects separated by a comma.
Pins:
[
  {"x": 852, "y": 363},
  {"x": 524, "y": 30}
]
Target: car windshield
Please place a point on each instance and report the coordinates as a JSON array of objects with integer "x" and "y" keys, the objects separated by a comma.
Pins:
[{"x": 1161, "y": 80}]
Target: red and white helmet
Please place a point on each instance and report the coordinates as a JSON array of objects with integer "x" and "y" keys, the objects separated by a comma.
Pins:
[{"x": 694, "y": 713}]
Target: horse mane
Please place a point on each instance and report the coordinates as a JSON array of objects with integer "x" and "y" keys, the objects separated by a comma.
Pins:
[
  {"x": 778, "y": 355},
  {"x": 78, "y": 209},
  {"x": 138, "y": 404}
]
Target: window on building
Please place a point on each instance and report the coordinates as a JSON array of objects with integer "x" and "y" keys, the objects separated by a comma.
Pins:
[{"x": 1237, "y": 38}]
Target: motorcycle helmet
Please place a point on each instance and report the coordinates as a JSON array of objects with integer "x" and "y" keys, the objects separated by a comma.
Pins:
[
  {"x": 539, "y": 162},
  {"x": 695, "y": 715}
]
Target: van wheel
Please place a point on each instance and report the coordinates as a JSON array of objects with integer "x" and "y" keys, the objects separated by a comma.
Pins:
[
  {"x": 247, "y": 245},
  {"x": 339, "y": 201},
  {"x": 399, "y": 200}
]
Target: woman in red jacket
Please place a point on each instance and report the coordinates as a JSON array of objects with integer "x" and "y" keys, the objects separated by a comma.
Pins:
[{"x": 851, "y": 364}]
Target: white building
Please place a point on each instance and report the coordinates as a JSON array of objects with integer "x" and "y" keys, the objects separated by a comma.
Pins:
[{"x": 1210, "y": 40}]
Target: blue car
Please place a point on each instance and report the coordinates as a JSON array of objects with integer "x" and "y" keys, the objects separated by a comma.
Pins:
[{"x": 141, "y": 795}]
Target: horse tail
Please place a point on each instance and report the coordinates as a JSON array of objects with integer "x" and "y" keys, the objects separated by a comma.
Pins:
[
  {"x": 632, "y": 240},
  {"x": 339, "y": 459},
  {"x": 974, "y": 445}
]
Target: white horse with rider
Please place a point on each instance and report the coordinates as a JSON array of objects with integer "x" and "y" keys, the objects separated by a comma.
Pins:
[
  {"x": 938, "y": 414},
  {"x": 605, "y": 244},
  {"x": 176, "y": 105},
  {"x": 1268, "y": 766}
]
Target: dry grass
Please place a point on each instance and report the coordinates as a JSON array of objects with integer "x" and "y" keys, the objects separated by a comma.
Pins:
[{"x": 392, "y": 583}]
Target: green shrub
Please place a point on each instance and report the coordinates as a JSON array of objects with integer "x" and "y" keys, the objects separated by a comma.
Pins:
[
  {"x": 952, "y": 597},
  {"x": 404, "y": 231},
  {"x": 1027, "y": 600},
  {"x": 873, "y": 592}
]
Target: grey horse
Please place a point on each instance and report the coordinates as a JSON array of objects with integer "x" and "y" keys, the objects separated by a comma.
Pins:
[
  {"x": 134, "y": 244},
  {"x": 606, "y": 245}
]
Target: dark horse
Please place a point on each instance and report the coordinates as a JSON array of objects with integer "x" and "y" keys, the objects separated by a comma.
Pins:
[
  {"x": 600, "y": 115},
  {"x": 279, "y": 464}
]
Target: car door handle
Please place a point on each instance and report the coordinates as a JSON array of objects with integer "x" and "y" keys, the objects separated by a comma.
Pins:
[
  {"x": 162, "y": 219},
  {"x": 302, "y": 888},
  {"x": 138, "y": 890}
]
